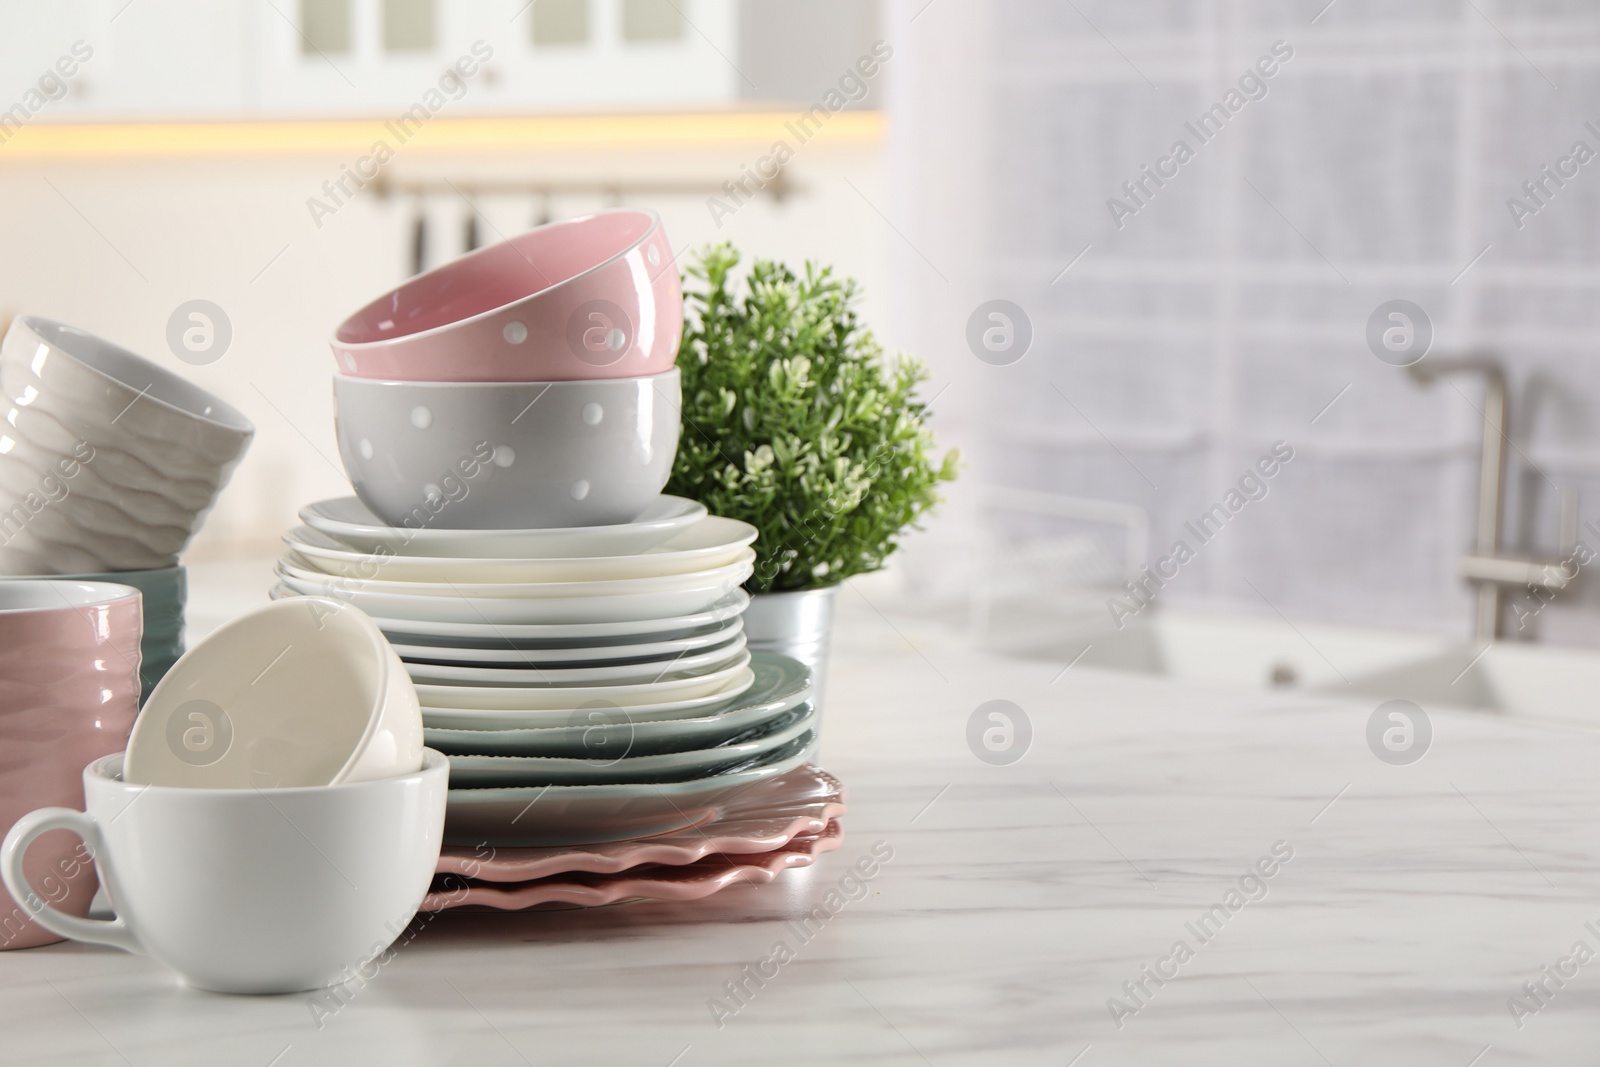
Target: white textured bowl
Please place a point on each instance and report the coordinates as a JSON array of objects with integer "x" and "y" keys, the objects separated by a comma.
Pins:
[
  {"x": 302, "y": 692},
  {"x": 499, "y": 455},
  {"x": 123, "y": 458}
]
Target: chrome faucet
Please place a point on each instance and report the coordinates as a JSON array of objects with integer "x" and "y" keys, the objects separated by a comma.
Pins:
[{"x": 1486, "y": 566}]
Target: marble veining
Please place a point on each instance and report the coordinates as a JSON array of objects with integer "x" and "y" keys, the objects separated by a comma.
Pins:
[{"x": 1017, "y": 902}]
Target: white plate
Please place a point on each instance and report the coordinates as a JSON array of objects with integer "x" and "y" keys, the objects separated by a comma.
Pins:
[
  {"x": 565, "y": 635},
  {"x": 534, "y": 698},
  {"x": 710, "y": 543},
  {"x": 472, "y": 772},
  {"x": 349, "y": 520},
  {"x": 779, "y": 683},
  {"x": 680, "y": 666},
  {"x": 586, "y": 814},
  {"x": 492, "y": 613},
  {"x": 291, "y": 566},
  {"x": 509, "y": 655},
  {"x": 586, "y": 714}
]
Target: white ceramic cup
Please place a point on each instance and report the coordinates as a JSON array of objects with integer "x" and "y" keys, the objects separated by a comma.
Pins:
[
  {"x": 301, "y": 692},
  {"x": 247, "y": 891}
]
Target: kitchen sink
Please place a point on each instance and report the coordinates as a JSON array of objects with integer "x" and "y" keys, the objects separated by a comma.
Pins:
[
  {"x": 1237, "y": 650},
  {"x": 1525, "y": 680},
  {"x": 1539, "y": 681}
]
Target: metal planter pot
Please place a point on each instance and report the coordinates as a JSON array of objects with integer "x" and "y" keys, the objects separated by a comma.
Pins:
[{"x": 797, "y": 624}]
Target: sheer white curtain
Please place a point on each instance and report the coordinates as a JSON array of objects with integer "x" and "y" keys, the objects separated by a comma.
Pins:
[{"x": 1190, "y": 308}]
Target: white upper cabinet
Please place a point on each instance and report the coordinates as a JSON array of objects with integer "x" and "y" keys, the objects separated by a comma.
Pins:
[{"x": 333, "y": 58}]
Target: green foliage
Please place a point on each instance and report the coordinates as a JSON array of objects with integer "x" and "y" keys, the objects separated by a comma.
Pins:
[{"x": 795, "y": 421}]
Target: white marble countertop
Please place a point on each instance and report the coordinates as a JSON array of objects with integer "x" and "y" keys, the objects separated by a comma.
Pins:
[{"x": 1018, "y": 901}]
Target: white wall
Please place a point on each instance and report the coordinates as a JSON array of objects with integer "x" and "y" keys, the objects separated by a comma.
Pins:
[{"x": 114, "y": 245}]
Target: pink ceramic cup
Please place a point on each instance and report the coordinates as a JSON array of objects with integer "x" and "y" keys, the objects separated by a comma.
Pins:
[
  {"x": 584, "y": 298},
  {"x": 69, "y": 691}
]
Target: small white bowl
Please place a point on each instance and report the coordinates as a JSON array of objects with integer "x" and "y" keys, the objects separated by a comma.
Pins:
[
  {"x": 508, "y": 455},
  {"x": 302, "y": 692}
]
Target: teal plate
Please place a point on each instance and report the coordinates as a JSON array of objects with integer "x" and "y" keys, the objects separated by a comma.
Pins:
[
  {"x": 780, "y": 684},
  {"x": 492, "y": 771},
  {"x": 589, "y": 814}
]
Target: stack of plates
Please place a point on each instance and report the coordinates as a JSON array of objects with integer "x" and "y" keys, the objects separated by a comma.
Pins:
[
  {"x": 751, "y": 836},
  {"x": 608, "y": 775},
  {"x": 589, "y": 684}
]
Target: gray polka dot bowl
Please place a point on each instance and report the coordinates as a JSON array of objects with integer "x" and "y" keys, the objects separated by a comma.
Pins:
[
  {"x": 508, "y": 455},
  {"x": 590, "y": 297}
]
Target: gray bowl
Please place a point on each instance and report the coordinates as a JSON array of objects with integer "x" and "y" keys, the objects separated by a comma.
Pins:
[{"x": 508, "y": 455}]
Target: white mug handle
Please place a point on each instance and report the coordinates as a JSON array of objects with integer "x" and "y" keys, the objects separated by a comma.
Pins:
[{"x": 115, "y": 932}]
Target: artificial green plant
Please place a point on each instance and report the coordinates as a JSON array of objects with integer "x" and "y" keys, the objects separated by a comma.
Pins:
[{"x": 796, "y": 421}]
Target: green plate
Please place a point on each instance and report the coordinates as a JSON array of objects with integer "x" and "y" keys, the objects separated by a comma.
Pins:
[
  {"x": 471, "y": 772},
  {"x": 588, "y": 814},
  {"x": 781, "y": 683}
]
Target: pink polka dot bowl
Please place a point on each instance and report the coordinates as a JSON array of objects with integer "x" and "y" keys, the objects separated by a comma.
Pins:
[{"x": 586, "y": 298}]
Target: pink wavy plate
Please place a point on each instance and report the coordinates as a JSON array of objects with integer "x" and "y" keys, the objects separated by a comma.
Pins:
[
  {"x": 759, "y": 819},
  {"x": 689, "y": 881}
]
